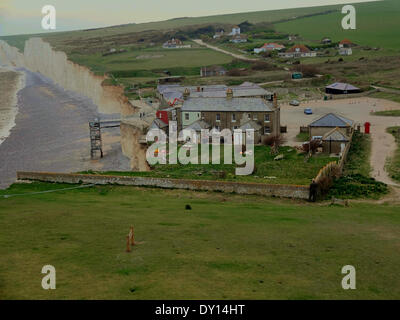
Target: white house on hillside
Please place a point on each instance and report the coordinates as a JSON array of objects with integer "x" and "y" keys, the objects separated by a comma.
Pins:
[{"x": 235, "y": 31}]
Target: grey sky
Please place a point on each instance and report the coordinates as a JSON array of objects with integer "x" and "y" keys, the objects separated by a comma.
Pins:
[{"x": 24, "y": 16}]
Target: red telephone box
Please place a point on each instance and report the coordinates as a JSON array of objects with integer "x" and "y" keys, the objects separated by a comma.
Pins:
[{"x": 367, "y": 127}]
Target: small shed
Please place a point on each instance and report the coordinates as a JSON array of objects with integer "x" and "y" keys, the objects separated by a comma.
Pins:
[{"x": 334, "y": 141}]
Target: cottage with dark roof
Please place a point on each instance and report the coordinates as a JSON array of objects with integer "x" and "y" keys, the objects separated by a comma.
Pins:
[
  {"x": 341, "y": 88},
  {"x": 320, "y": 127}
]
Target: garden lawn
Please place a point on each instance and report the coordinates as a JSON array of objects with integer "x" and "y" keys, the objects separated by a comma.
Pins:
[{"x": 292, "y": 169}]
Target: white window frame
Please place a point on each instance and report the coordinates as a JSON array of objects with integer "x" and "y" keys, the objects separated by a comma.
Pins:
[
  {"x": 267, "y": 128},
  {"x": 218, "y": 115},
  {"x": 265, "y": 117},
  {"x": 233, "y": 117},
  {"x": 187, "y": 116}
]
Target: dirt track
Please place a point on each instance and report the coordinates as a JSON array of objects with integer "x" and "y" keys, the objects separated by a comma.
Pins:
[
  {"x": 357, "y": 109},
  {"x": 237, "y": 56}
]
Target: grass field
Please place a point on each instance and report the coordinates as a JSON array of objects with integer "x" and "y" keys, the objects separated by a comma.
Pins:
[
  {"x": 393, "y": 164},
  {"x": 290, "y": 170},
  {"x": 153, "y": 59},
  {"x": 226, "y": 247},
  {"x": 377, "y": 25}
]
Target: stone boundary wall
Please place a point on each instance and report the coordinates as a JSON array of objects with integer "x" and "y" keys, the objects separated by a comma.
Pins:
[{"x": 286, "y": 191}]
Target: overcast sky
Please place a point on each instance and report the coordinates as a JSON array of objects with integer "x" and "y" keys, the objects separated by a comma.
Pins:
[{"x": 24, "y": 16}]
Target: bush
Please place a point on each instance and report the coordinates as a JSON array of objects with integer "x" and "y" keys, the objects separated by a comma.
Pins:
[
  {"x": 273, "y": 140},
  {"x": 357, "y": 186},
  {"x": 307, "y": 70},
  {"x": 262, "y": 66},
  {"x": 313, "y": 145},
  {"x": 237, "y": 72}
]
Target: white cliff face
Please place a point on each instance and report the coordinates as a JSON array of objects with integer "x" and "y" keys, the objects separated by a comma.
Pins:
[{"x": 38, "y": 56}]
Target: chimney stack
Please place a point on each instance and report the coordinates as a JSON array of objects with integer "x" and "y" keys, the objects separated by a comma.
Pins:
[
  {"x": 186, "y": 94},
  {"x": 229, "y": 93},
  {"x": 275, "y": 100}
]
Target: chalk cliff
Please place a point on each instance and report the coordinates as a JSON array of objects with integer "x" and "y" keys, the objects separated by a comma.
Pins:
[{"x": 38, "y": 56}]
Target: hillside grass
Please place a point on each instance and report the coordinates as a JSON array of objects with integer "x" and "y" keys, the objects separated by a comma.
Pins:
[
  {"x": 377, "y": 25},
  {"x": 393, "y": 164},
  {"x": 226, "y": 247},
  {"x": 152, "y": 61}
]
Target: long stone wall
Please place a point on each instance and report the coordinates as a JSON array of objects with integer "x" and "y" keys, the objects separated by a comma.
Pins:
[{"x": 286, "y": 191}]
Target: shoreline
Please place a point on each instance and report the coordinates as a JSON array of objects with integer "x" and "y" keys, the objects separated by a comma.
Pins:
[{"x": 9, "y": 106}]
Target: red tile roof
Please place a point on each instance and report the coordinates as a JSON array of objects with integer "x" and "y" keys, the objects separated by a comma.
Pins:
[
  {"x": 345, "y": 41},
  {"x": 301, "y": 47}
]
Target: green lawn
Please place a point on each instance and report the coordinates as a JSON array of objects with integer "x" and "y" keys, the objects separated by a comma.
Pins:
[
  {"x": 393, "y": 164},
  {"x": 377, "y": 25},
  {"x": 291, "y": 170},
  {"x": 388, "y": 113},
  {"x": 226, "y": 247}
]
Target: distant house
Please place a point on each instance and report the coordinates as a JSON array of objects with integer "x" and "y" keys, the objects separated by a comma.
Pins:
[
  {"x": 175, "y": 44},
  {"x": 212, "y": 71},
  {"x": 219, "y": 34},
  {"x": 341, "y": 88},
  {"x": 269, "y": 47},
  {"x": 326, "y": 41},
  {"x": 320, "y": 127},
  {"x": 238, "y": 39},
  {"x": 345, "y": 51},
  {"x": 346, "y": 43},
  {"x": 298, "y": 51},
  {"x": 235, "y": 31}
]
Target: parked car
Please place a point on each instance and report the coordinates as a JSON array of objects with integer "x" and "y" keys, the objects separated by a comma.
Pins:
[
  {"x": 308, "y": 111},
  {"x": 294, "y": 103}
]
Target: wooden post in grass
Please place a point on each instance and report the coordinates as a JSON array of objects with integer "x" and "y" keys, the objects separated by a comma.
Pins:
[
  {"x": 131, "y": 237},
  {"x": 128, "y": 247}
]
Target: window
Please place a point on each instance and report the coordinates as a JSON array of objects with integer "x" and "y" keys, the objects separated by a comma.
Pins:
[
  {"x": 233, "y": 117},
  {"x": 218, "y": 117},
  {"x": 267, "y": 130},
  {"x": 249, "y": 116},
  {"x": 186, "y": 116},
  {"x": 266, "y": 117},
  {"x": 255, "y": 117},
  {"x": 235, "y": 127}
]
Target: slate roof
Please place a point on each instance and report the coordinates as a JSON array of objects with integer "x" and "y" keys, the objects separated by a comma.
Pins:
[
  {"x": 335, "y": 135},
  {"x": 224, "y": 104},
  {"x": 198, "y": 125},
  {"x": 158, "y": 124},
  {"x": 246, "y": 89},
  {"x": 332, "y": 120},
  {"x": 342, "y": 86}
]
